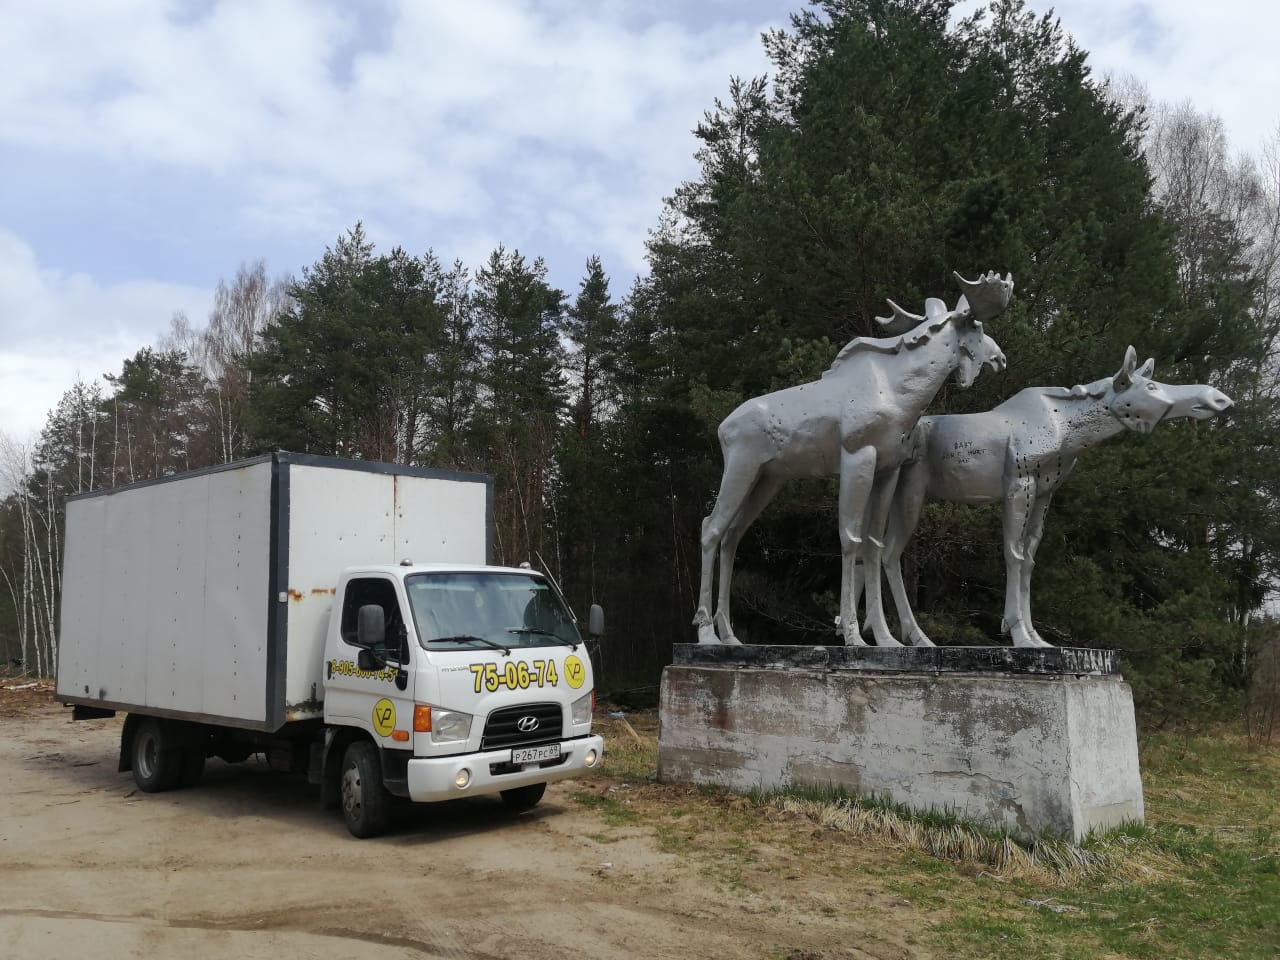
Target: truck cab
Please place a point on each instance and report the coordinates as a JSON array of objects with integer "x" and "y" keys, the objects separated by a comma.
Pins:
[{"x": 444, "y": 681}]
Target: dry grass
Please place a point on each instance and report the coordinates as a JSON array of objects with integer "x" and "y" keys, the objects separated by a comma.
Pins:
[
  {"x": 1122, "y": 857},
  {"x": 21, "y": 694},
  {"x": 1119, "y": 857}
]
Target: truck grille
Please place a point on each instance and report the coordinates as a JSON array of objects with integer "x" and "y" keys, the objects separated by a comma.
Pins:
[{"x": 502, "y": 729}]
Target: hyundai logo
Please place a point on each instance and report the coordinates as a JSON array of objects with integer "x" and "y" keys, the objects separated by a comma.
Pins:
[{"x": 527, "y": 724}]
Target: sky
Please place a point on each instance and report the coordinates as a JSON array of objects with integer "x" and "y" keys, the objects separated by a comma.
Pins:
[{"x": 150, "y": 147}]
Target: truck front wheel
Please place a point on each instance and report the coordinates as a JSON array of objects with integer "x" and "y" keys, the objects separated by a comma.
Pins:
[
  {"x": 366, "y": 804},
  {"x": 157, "y": 765},
  {"x": 519, "y": 799}
]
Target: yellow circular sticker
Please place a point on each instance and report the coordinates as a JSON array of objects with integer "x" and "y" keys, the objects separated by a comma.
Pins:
[
  {"x": 384, "y": 717},
  {"x": 574, "y": 672}
]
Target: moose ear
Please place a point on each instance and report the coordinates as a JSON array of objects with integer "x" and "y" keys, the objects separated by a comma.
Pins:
[
  {"x": 1148, "y": 368},
  {"x": 934, "y": 309},
  {"x": 1124, "y": 376}
]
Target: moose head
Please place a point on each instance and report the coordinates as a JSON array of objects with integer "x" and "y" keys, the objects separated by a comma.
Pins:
[
  {"x": 1139, "y": 402},
  {"x": 982, "y": 299}
]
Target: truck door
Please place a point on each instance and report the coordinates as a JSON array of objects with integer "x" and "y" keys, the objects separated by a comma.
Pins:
[{"x": 378, "y": 694}]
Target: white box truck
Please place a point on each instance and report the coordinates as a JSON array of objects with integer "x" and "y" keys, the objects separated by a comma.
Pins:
[{"x": 338, "y": 616}]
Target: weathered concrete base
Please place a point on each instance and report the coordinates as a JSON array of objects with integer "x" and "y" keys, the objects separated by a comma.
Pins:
[{"x": 1031, "y": 753}]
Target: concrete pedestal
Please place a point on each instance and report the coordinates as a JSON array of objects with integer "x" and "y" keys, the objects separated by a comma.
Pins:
[{"x": 1036, "y": 742}]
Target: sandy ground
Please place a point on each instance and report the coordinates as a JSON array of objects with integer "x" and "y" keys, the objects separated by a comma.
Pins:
[{"x": 247, "y": 865}]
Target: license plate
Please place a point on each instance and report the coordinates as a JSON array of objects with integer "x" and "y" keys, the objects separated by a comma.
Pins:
[{"x": 550, "y": 751}]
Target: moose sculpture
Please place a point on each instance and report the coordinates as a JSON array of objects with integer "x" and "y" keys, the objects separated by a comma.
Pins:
[
  {"x": 1021, "y": 452},
  {"x": 855, "y": 422}
]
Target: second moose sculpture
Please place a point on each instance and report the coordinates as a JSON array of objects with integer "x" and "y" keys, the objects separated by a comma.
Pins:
[{"x": 1020, "y": 453}]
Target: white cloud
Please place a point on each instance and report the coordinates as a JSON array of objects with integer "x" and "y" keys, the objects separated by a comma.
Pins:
[
  {"x": 1218, "y": 55},
  {"x": 474, "y": 112},
  {"x": 554, "y": 127},
  {"x": 58, "y": 327},
  {"x": 456, "y": 126},
  {"x": 479, "y": 112}
]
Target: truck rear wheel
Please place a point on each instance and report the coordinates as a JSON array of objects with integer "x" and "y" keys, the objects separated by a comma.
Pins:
[
  {"x": 519, "y": 799},
  {"x": 157, "y": 765},
  {"x": 366, "y": 804}
]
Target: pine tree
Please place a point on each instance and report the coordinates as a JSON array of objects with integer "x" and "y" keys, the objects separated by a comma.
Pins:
[
  {"x": 453, "y": 377},
  {"x": 343, "y": 370},
  {"x": 518, "y": 318},
  {"x": 585, "y": 543}
]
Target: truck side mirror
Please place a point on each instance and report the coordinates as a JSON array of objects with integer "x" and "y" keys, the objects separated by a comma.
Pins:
[
  {"x": 371, "y": 626},
  {"x": 595, "y": 621}
]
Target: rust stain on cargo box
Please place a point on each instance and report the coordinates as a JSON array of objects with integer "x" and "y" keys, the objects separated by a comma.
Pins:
[
  {"x": 324, "y": 591},
  {"x": 295, "y": 595},
  {"x": 306, "y": 710}
]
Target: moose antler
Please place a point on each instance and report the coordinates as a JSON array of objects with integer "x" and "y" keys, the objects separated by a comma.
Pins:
[
  {"x": 984, "y": 298},
  {"x": 901, "y": 319}
]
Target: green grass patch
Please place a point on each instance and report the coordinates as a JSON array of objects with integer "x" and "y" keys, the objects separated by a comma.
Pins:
[
  {"x": 672, "y": 839},
  {"x": 613, "y": 812},
  {"x": 1228, "y": 905},
  {"x": 1211, "y": 855},
  {"x": 1216, "y": 781}
]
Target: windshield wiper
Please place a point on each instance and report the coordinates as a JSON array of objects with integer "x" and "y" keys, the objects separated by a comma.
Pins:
[
  {"x": 544, "y": 633},
  {"x": 472, "y": 638}
]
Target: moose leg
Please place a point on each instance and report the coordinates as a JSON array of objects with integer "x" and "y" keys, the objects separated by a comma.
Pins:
[
  {"x": 857, "y": 474},
  {"x": 739, "y": 477},
  {"x": 851, "y": 587},
  {"x": 703, "y": 615},
  {"x": 881, "y": 496},
  {"x": 1017, "y": 509},
  {"x": 765, "y": 490},
  {"x": 904, "y": 514},
  {"x": 1035, "y": 530}
]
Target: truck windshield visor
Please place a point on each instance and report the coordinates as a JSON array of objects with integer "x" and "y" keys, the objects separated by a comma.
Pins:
[{"x": 469, "y": 611}]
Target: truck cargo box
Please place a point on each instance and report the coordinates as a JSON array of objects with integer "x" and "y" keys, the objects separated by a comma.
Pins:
[{"x": 206, "y": 595}]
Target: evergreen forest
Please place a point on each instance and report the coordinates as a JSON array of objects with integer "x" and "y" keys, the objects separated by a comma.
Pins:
[{"x": 887, "y": 147}]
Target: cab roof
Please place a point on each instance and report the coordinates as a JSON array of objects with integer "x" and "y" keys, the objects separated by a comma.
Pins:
[{"x": 401, "y": 569}]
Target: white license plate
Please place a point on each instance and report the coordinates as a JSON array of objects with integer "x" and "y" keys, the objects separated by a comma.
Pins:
[{"x": 550, "y": 751}]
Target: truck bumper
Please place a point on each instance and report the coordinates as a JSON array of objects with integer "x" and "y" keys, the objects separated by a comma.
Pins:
[{"x": 436, "y": 778}]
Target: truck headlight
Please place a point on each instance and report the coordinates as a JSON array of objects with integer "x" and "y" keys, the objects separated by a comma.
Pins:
[
  {"x": 449, "y": 726},
  {"x": 581, "y": 710}
]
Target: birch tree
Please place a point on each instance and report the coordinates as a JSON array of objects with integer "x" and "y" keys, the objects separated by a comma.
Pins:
[{"x": 223, "y": 350}]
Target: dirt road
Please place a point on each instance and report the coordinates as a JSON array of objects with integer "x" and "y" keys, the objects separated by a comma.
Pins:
[{"x": 247, "y": 865}]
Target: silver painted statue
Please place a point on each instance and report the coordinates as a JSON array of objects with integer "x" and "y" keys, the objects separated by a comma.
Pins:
[
  {"x": 1020, "y": 453},
  {"x": 855, "y": 422}
]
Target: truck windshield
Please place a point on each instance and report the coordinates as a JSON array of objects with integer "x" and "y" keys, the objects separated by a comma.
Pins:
[{"x": 460, "y": 611}]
